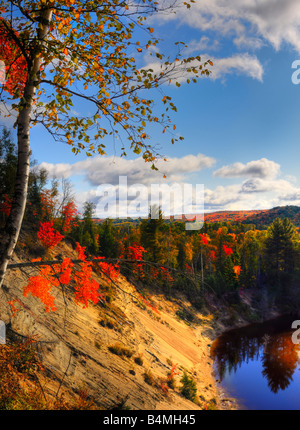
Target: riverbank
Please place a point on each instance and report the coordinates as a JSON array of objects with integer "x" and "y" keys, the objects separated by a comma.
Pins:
[
  {"x": 259, "y": 363},
  {"x": 234, "y": 317}
]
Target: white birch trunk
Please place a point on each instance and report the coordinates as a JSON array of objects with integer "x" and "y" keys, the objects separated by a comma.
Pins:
[{"x": 13, "y": 225}]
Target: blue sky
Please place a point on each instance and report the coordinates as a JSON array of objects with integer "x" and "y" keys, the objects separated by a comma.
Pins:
[{"x": 241, "y": 125}]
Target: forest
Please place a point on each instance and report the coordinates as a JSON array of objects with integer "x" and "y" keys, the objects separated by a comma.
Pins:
[{"x": 225, "y": 259}]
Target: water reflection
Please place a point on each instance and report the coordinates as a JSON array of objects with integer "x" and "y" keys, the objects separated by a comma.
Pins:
[{"x": 270, "y": 343}]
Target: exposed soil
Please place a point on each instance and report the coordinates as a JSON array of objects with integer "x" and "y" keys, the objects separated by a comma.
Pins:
[{"x": 73, "y": 344}]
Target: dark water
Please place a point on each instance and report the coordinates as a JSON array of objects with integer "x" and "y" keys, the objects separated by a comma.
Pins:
[{"x": 259, "y": 365}]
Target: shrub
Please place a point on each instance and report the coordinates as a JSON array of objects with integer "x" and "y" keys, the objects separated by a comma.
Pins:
[
  {"x": 19, "y": 385},
  {"x": 189, "y": 388},
  {"x": 171, "y": 377},
  {"x": 138, "y": 360},
  {"x": 164, "y": 388},
  {"x": 18, "y": 363},
  {"x": 185, "y": 315},
  {"x": 48, "y": 235},
  {"x": 148, "y": 377},
  {"x": 107, "y": 322},
  {"x": 83, "y": 401},
  {"x": 120, "y": 350}
]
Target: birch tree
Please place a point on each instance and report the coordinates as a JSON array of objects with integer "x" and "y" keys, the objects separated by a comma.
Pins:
[{"x": 57, "y": 53}]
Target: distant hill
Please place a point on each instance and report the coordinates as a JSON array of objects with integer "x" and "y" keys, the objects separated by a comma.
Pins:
[
  {"x": 232, "y": 216},
  {"x": 257, "y": 217},
  {"x": 266, "y": 217},
  {"x": 263, "y": 217}
]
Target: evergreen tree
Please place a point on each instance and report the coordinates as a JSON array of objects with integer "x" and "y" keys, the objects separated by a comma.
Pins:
[
  {"x": 189, "y": 387},
  {"x": 86, "y": 233},
  {"x": 250, "y": 261},
  {"x": 181, "y": 256},
  {"x": 8, "y": 164},
  {"x": 8, "y": 167},
  {"x": 149, "y": 234},
  {"x": 280, "y": 253},
  {"x": 107, "y": 242},
  {"x": 37, "y": 181}
]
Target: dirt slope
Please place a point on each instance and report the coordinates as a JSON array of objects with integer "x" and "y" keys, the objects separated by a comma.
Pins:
[{"x": 73, "y": 344}]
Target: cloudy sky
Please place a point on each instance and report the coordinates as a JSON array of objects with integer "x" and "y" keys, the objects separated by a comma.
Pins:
[{"x": 241, "y": 125}]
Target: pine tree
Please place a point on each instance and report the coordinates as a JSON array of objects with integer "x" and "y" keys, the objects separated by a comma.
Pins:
[
  {"x": 280, "y": 253},
  {"x": 8, "y": 164},
  {"x": 107, "y": 242},
  {"x": 149, "y": 234},
  {"x": 181, "y": 256},
  {"x": 86, "y": 232}
]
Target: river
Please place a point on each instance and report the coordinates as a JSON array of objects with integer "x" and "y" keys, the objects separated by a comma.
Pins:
[{"x": 259, "y": 365}]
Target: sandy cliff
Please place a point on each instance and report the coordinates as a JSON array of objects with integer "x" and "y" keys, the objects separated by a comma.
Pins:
[{"x": 74, "y": 345}]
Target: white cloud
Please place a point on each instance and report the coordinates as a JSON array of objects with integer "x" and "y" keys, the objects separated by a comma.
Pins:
[
  {"x": 231, "y": 198},
  {"x": 98, "y": 172},
  {"x": 240, "y": 64},
  {"x": 252, "y": 194},
  {"x": 271, "y": 21},
  {"x": 258, "y": 185},
  {"x": 291, "y": 178},
  {"x": 222, "y": 196},
  {"x": 7, "y": 115},
  {"x": 204, "y": 44},
  {"x": 262, "y": 188},
  {"x": 262, "y": 168},
  {"x": 106, "y": 170}
]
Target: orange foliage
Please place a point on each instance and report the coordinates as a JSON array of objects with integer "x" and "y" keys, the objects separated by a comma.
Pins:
[
  {"x": 136, "y": 252},
  {"x": 18, "y": 365},
  {"x": 86, "y": 288},
  {"x": 204, "y": 238},
  {"x": 189, "y": 251},
  {"x": 80, "y": 251},
  {"x": 189, "y": 268},
  {"x": 234, "y": 216},
  {"x": 69, "y": 211},
  {"x": 233, "y": 235},
  {"x": 237, "y": 270},
  {"x": 154, "y": 273},
  {"x": 14, "y": 60},
  {"x": 48, "y": 204},
  {"x": 13, "y": 307},
  {"x": 166, "y": 275},
  {"x": 66, "y": 271},
  {"x": 111, "y": 270},
  {"x": 48, "y": 235},
  {"x": 172, "y": 374},
  {"x": 40, "y": 286},
  {"x": 227, "y": 250},
  {"x": 5, "y": 207}
]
